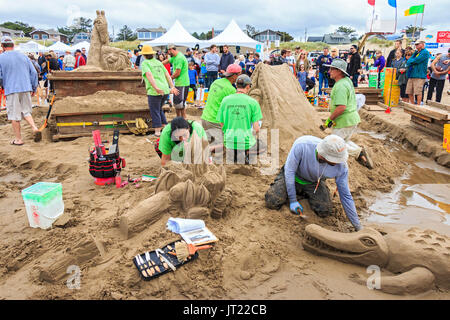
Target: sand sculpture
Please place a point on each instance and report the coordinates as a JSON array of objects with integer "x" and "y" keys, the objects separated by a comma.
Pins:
[
  {"x": 197, "y": 191},
  {"x": 283, "y": 103},
  {"x": 419, "y": 258},
  {"x": 101, "y": 56}
]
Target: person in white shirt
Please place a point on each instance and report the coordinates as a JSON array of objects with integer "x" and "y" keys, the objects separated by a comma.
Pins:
[{"x": 68, "y": 61}]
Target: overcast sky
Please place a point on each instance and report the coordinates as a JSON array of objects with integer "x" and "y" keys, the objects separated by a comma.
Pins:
[{"x": 292, "y": 16}]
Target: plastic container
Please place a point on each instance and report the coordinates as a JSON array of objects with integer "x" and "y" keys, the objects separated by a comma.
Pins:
[{"x": 44, "y": 204}]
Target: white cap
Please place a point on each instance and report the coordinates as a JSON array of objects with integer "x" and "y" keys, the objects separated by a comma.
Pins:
[
  {"x": 333, "y": 148},
  {"x": 7, "y": 39}
]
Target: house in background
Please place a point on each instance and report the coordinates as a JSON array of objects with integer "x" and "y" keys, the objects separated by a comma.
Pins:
[
  {"x": 50, "y": 35},
  {"x": 336, "y": 38},
  {"x": 315, "y": 39},
  {"x": 268, "y": 36},
  {"x": 11, "y": 33},
  {"x": 146, "y": 34},
  {"x": 80, "y": 37}
]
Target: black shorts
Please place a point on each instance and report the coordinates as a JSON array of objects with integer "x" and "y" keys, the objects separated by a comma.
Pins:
[{"x": 179, "y": 100}]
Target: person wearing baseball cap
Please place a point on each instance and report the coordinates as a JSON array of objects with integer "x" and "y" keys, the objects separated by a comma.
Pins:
[
  {"x": 240, "y": 115},
  {"x": 418, "y": 73},
  {"x": 158, "y": 84},
  {"x": 344, "y": 118},
  {"x": 220, "y": 89},
  {"x": 19, "y": 80},
  {"x": 310, "y": 162}
]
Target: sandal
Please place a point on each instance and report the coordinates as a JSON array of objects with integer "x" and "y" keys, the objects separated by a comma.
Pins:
[{"x": 16, "y": 144}]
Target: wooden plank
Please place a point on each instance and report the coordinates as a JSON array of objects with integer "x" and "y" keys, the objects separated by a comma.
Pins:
[
  {"x": 373, "y": 107},
  {"x": 442, "y": 106},
  {"x": 433, "y": 132},
  {"x": 99, "y": 112},
  {"x": 428, "y": 111},
  {"x": 437, "y": 127},
  {"x": 418, "y": 115}
]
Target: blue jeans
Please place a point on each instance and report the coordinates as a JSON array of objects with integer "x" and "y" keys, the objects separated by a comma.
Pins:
[
  {"x": 322, "y": 78},
  {"x": 355, "y": 80},
  {"x": 155, "y": 104},
  {"x": 211, "y": 76}
]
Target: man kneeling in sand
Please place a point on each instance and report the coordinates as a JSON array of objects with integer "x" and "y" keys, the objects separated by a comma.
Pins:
[{"x": 310, "y": 162}]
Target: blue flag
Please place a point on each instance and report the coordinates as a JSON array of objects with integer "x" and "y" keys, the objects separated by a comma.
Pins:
[{"x": 393, "y": 3}]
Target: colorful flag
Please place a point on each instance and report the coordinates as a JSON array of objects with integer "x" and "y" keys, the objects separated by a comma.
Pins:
[
  {"x": 415, "y": 10},
  {"x": 371, "y": 2},
  {"x": 393, "y": 3}
]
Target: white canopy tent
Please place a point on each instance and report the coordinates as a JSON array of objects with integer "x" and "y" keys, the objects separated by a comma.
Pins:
[
  {"x": 81, "y": 45},
  {"x": 32, "y": 46},
  {"x": 178, "y": 36},
  {"x": 234, "y": 36},
  {"x": 59, "y": 47}
]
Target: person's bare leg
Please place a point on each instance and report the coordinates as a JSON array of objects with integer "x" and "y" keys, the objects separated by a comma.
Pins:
[
  {"x": 419, "y": 99},
  {"x": 178, "y": 112},
  {"x": 16, "y": 130},
  {"x": 411, "y": 99},
  {"x": 30, "y": 121},
  {"x": 183, "y": 113}
]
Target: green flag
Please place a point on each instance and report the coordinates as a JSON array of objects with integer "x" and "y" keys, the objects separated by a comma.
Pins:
[{"x": 416, "y": 9}]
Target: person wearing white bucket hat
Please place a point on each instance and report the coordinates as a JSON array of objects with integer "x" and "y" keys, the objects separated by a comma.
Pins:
[
  {"x": 344, "y": 117},
  {"x": 310, "y": 162}
]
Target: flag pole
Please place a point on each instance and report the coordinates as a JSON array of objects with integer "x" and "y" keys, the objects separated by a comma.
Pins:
[
  {"x": 373, "y": 15},
  {"x": 414, "y": 31},
  {"x": 395, "y": 25},
  {"x": 421, "y": 21}
]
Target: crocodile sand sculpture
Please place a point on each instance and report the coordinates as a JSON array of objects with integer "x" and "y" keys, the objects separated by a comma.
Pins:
[{"x": 419, "y": 259}]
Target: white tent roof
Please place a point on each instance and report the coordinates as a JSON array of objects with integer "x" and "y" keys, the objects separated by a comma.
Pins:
[
  {"x": 80, "y": 45},
  {"x": 59, "y": 46},
  {"x": 31, "y": 46},
  {"x": 234, "y": 36},
  {"x": 178, "y": 36}
]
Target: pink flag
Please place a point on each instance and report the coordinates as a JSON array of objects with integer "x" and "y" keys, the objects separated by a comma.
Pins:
[{"x": 371, "y": 2}]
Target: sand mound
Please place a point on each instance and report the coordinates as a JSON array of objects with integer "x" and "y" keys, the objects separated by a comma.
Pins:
[
  {"x": 101, "y": 101},
  {"x": 283, "y": 104}
]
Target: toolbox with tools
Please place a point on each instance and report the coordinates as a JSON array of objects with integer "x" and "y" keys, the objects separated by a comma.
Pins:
[{"x": 153, "y": 264}]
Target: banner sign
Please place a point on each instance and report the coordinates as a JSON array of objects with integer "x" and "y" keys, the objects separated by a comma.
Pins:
[{"x": 443, "y": 37}]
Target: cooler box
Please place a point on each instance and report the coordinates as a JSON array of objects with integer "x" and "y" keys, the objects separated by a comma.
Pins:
[
  {"x": 373, "y": 77},
  {"x": 44, "y": 204},
  {"x": 205, "y": 96}
]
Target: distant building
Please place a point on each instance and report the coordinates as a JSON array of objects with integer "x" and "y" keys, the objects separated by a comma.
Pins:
[
  {"x": 150, "y": 33},
  {"x": 336, "y": 38},
  {"x": 267, "y": 35},
  {"x": 81, "y": 36},
  {"x": 315, "y": 39},
  {"x": 51, "y": 35},
  {"x": 11, "y": 33}
]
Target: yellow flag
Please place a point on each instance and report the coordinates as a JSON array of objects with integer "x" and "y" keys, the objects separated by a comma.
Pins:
[{"x": 407, "y": 13}]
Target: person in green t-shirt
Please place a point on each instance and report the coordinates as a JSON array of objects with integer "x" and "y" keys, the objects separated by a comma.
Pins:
[
  {"x": 157, "y": 83},
  {"x": 220, "y": 89},
  {"x": 240, "y": 117},
  {"x": 344, "y": 116},
  {"x": 175, "y": 136},
  {"x": 181, "y": 76}
]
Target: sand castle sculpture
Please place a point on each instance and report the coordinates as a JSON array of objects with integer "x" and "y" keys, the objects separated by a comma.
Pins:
[
  {"x": 420, "y": 259},
  {"x": 194, "y": 189},
  {"x": 101, "y": 56}
]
